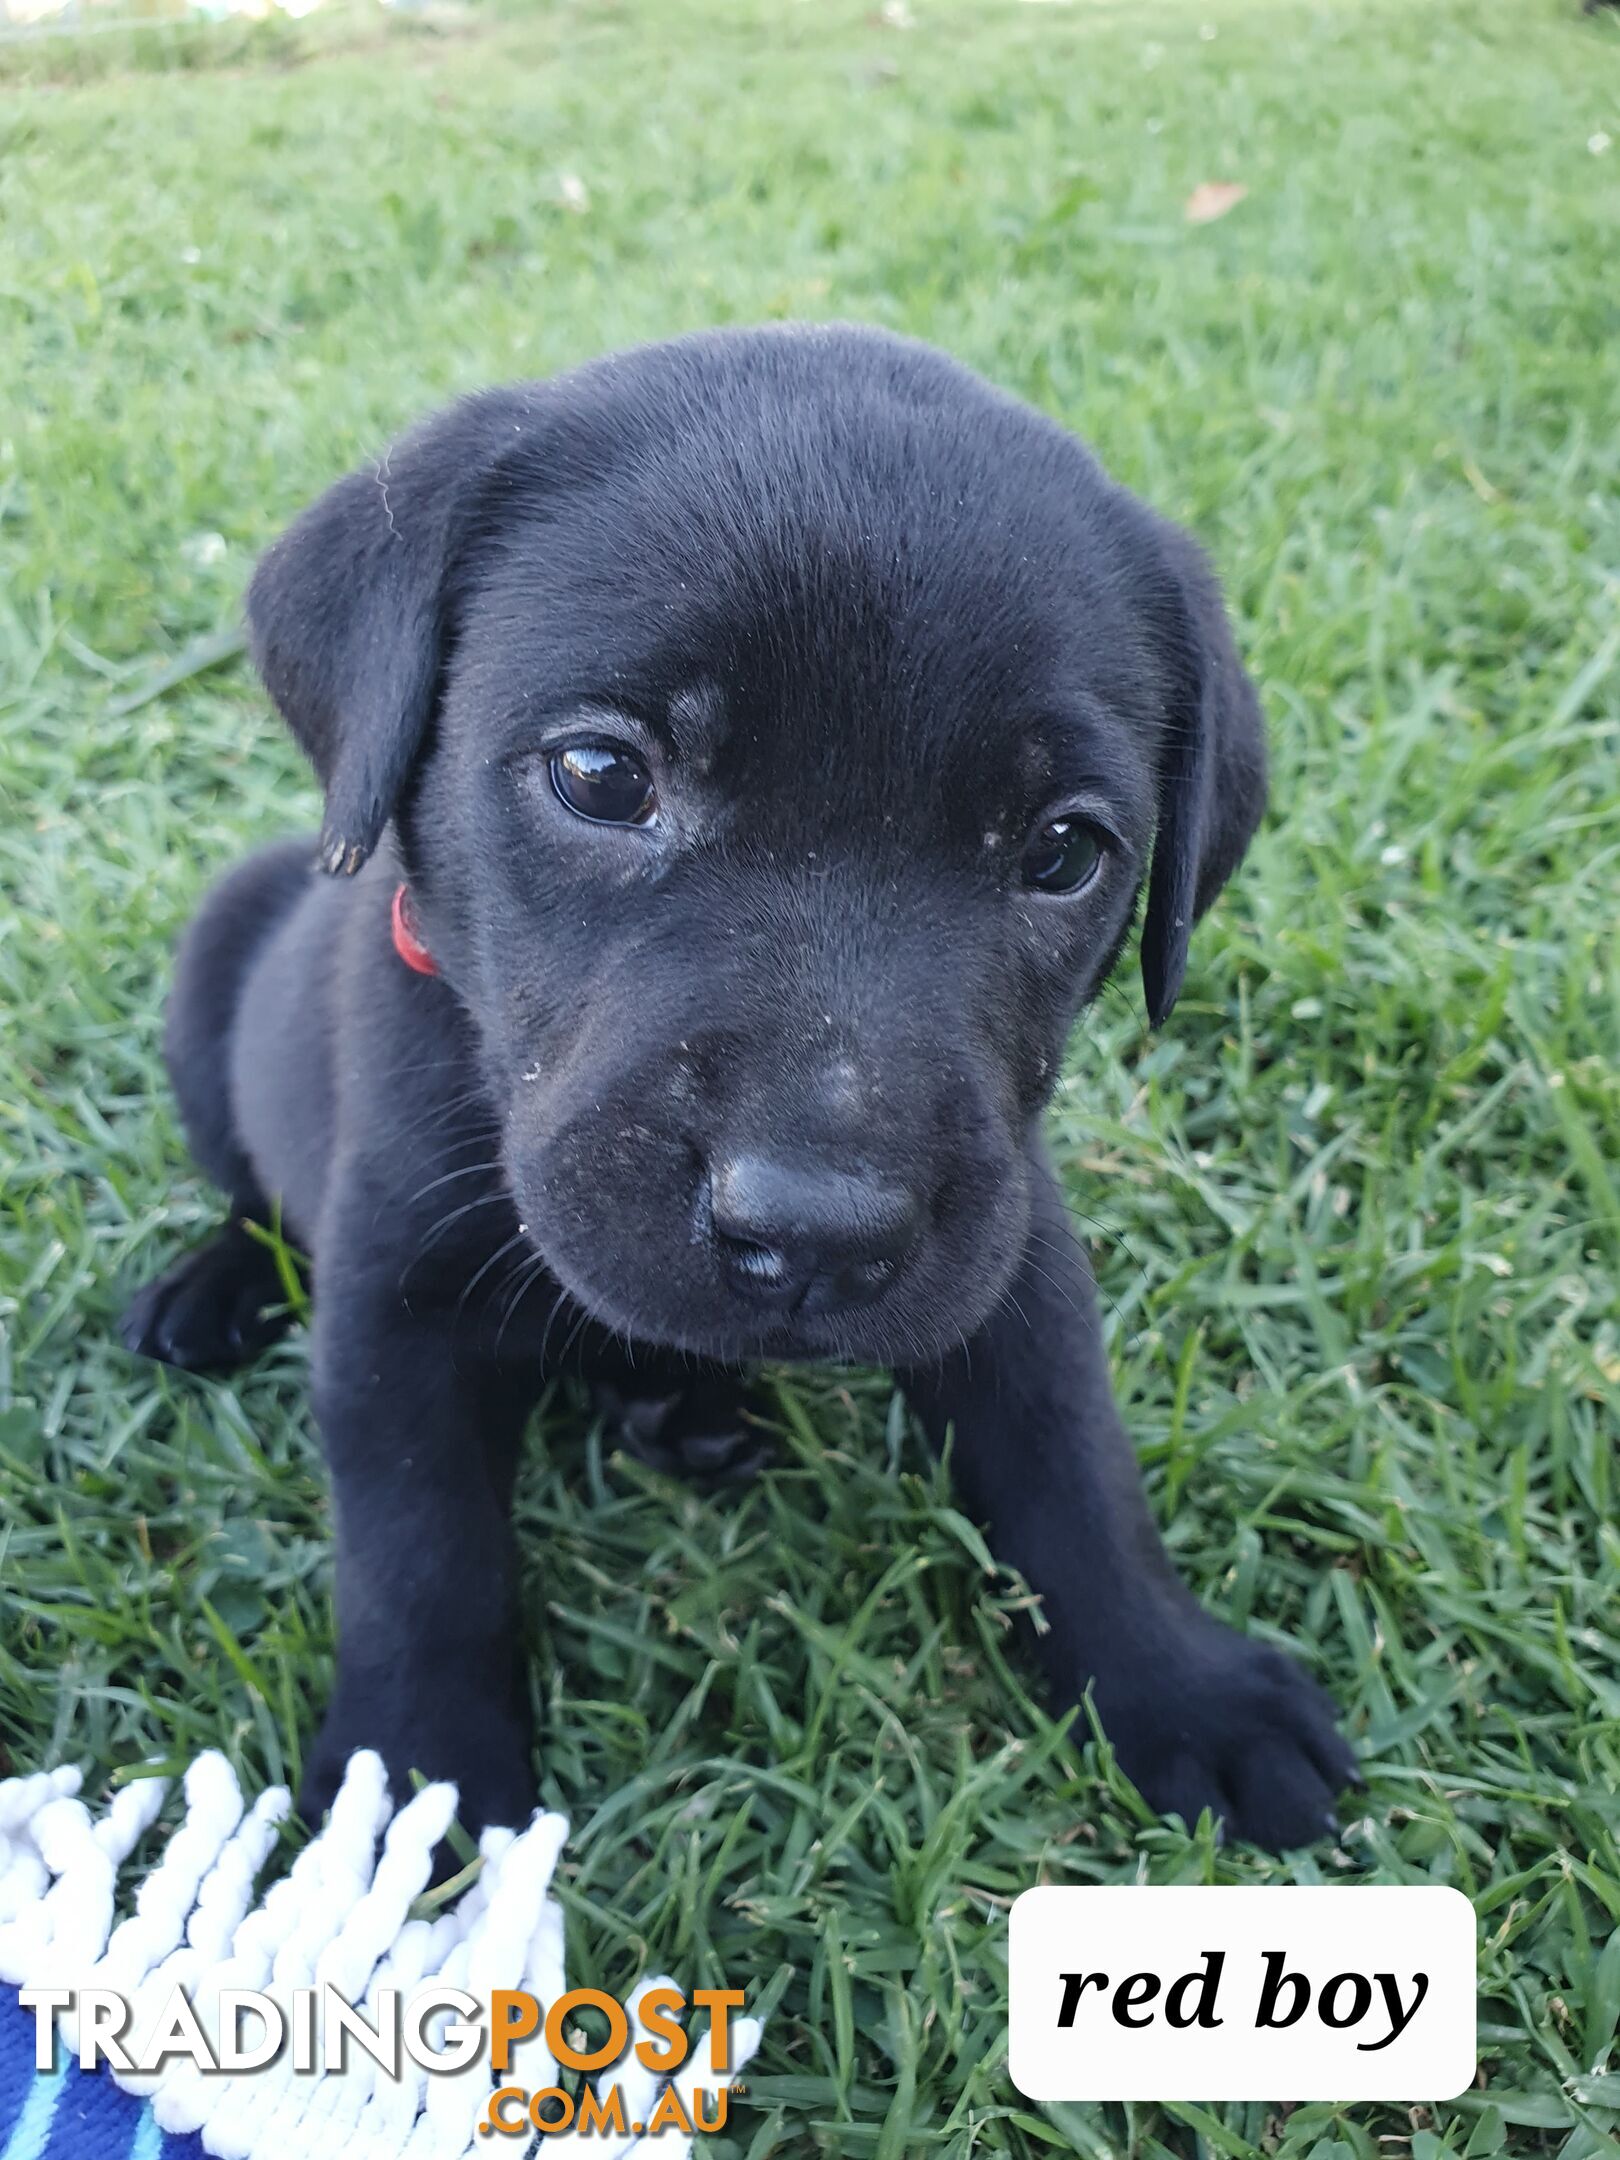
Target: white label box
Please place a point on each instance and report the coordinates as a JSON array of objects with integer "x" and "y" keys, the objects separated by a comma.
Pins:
[{"x": 1352, "y": 1992}]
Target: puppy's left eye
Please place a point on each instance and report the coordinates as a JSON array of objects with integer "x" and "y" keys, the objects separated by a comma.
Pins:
[
  {"x": 601, "y": 782},
  {"x": 1063, "y": 856}
]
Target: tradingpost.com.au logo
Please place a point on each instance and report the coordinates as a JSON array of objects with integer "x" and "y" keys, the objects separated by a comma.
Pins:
[{"x": 444, "y": 2031}]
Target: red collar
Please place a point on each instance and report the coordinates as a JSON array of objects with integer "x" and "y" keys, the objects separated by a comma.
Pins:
[{"x": 407, "y": 938}]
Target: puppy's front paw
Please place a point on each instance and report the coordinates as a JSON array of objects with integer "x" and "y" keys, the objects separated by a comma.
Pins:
[
  {"x": 1237, "y": 1727},
  {"x": 483, "y": 1749},
  {"x": 214, "y": 1310}
]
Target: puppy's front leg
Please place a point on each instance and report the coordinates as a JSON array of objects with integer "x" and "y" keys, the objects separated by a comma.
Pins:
[
  {"x": 422, "y": 1440},
  {"x": 1198, "y": 1715}
]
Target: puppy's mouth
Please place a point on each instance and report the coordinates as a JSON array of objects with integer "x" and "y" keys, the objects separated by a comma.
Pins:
[
  {"x": 740, "y": 1337},
  {"x": 737, "y": 1257}
]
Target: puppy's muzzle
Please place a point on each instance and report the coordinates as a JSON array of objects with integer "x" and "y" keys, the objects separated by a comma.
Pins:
[{"x": 802, "y": 1237}]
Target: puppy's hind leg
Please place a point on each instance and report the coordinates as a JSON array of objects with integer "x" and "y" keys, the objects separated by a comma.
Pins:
[
  {"x": 711, "y": 1429},
  {"x": 224, "y": 1303}
]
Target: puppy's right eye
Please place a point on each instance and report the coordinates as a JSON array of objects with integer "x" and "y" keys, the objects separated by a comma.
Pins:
[
  {"x": 1063, "y": 857},
  {"x": 603, "y": 783}
]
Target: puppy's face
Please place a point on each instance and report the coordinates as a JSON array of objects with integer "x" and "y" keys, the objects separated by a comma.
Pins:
[
  {"x": 795, "y": 729},
  {"x": 774, "y": 861}
]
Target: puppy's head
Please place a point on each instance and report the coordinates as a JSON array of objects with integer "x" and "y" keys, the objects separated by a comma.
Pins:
[{"x": 780, "y": 728}]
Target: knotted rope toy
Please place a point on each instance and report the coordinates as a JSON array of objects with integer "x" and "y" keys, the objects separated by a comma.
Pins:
[{"x": 340, "y": 1916}]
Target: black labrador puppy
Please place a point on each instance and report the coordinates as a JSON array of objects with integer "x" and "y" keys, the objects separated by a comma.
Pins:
[{"x": 743, "y": 758}]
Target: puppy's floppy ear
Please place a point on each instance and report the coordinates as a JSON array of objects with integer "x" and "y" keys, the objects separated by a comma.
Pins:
[
  {"x": 1212, "y": 772},
  {"x": 350, "y": 612}
]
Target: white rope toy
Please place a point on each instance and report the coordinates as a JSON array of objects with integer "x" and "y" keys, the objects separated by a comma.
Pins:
[{"x": 339, "y": 1917}]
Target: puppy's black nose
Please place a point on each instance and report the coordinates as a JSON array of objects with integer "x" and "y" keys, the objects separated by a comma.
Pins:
[{"x": 806, "y": 1239}]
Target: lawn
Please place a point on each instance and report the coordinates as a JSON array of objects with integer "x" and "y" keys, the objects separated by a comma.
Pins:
[{"x": 1354, "y": 1209}]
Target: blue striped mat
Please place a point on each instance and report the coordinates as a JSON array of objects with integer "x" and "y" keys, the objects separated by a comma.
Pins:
[{"x": 71, "y": 2114}]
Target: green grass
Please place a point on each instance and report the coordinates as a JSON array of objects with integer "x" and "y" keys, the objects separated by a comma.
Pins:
[{"x": 1355, "y": 1208}]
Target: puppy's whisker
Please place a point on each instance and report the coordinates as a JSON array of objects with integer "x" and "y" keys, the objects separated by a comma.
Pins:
[
  {"x": 429, "y": 1132},
  {"x": 472, "y": 1088},
  {"x": 1089, "y": 1228},
  {"x": 394, "y": 1195},
  {"x": 452, "y": 1061},
  {"x": 446, "y": 1222},
  {"x": 476, "y": 1138},
  {"x": 1095, "y": 1224},
  {"x": 1062, "y": 1252},
  {"x": 486, "y": 1125},
  {"x": 1107, "y": 1236},
  {"x": 514, "y": 1286},
  {"x": 517, "y": 1238},
  {"x": 1055, "y": 1282},
  {"x": 557, "y": 1304},
  {"x": 477, "y": 1169},
  {"x": 1055, "y": 1246},
  {"x": 574, "y": 1333},
  {"x": 527, "y": 1279},
  {"x": 1007, "y": 1298}
]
